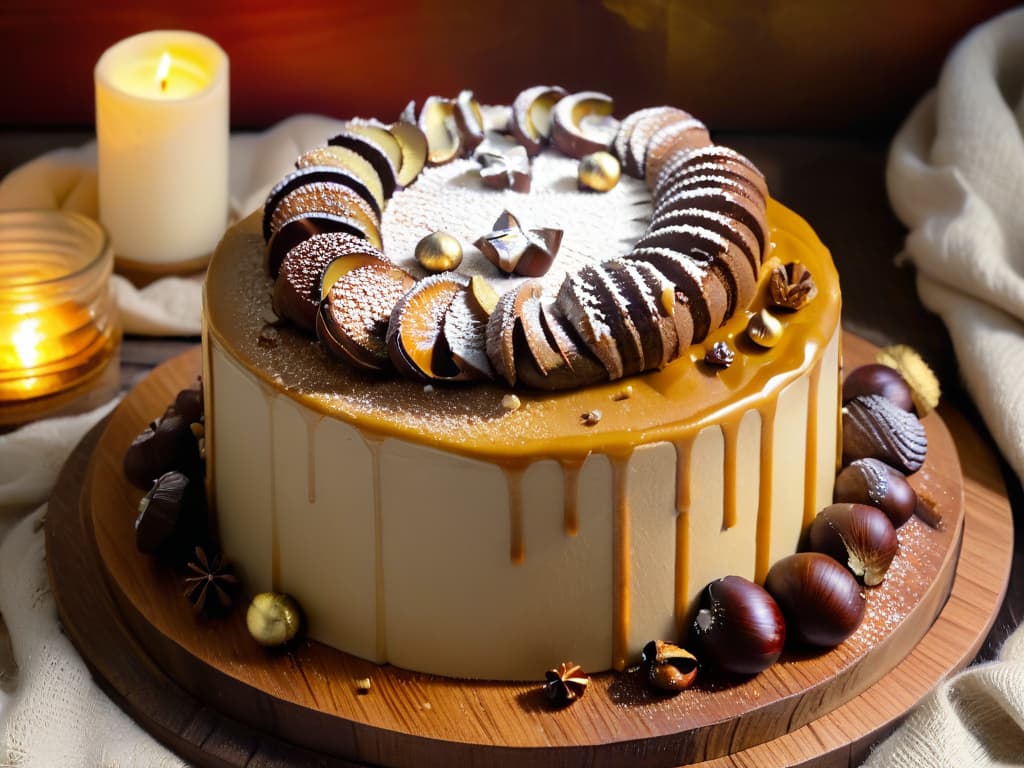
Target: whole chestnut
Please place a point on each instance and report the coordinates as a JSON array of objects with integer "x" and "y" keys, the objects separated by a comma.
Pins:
[
  {"x": 878, "y": 379},
  {"x": 872, "y": 481},
  {"x": 738, "y": 628},
  {"x": 820, "y": 600},
  {"x": 857, "y": 534}
]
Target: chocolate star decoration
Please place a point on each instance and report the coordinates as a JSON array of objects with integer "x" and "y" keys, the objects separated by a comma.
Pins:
[
  {"x": 211, "y": 589},
  {"x": 512, "y": 249},
  {"x": 505, "y": 169}
]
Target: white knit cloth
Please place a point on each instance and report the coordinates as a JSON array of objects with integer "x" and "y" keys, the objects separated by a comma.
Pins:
[
  {"x": 956, "y": 179},
  {"x": 51, "y": 712}
]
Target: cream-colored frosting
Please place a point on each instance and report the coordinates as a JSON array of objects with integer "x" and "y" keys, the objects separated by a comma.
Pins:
[{"x": 434, "y": 529}]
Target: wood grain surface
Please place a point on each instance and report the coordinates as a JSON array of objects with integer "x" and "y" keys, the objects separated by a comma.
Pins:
[{"x": 309, "y": 695}]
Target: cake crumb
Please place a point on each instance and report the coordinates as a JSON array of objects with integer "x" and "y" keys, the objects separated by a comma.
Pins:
[
  {"x": 623, "y": 394},
  {"x": 363, "y": 686},
  {"x": 511, "y": 402},
  {"x": 590, "y": 418}
]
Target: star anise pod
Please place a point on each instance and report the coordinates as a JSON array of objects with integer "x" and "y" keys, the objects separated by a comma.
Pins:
[
  {"x": 792, "y": 286},
  {"x": 212, "y": 589},
  {"x": 565, "y": 683}
]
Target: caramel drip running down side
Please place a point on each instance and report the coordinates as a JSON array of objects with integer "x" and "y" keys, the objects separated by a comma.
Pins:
[
  {"x": 766, "y": 471},
  {"x": 514, "y": 476},
  {"x": 571, "y": 492},
  {"x": 373, "y": 444},
  {"x": 311, "y": 419},
  {"x": 730, "y": 436},
  {"x": 810, "y": 463},
  {"x": 621, "y": 574},
  {"x": 682, "y": 586},
  {"x": 275, "y": 523}
]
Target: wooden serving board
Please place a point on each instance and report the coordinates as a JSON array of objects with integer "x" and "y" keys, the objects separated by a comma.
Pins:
[{"x": 208, "y": 691}]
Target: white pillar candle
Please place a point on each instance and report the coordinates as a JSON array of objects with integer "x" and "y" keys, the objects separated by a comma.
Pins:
[{"x": 162, "y": 133}]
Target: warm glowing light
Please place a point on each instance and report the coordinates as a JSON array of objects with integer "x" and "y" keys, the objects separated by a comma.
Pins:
[
  {"x": 26, "y": 339},
  {"x": 162, "y": 70}
]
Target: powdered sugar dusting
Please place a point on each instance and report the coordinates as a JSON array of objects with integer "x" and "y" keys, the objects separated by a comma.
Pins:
[{"x": 452, "y": 198}]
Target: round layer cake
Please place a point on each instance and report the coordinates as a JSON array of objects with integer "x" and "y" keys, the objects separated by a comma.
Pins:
[{"x": 486, "y": 530}]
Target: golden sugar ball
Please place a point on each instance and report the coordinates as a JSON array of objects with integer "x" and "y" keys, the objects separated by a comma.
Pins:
[
  {"x": 439, "y": 252},
  {"x": 764, "y": 329},
  {"x": 598, "y": 171},
  {"x": 273, "y": 618}
]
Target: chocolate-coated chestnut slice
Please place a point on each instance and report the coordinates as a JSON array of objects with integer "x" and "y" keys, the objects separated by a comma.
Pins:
[
  {"x": 739, "y": 628},
  {"x": 856, "y": 534},
  {"x": 821, "y": 600}
]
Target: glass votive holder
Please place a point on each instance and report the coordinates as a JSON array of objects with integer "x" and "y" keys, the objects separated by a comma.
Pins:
[{"x": 59, "y": 328}]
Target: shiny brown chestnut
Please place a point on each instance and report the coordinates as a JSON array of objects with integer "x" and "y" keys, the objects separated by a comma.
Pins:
[
  {"x": 668, "y": 666},
  {"x": 820, "y": 600},
  {"x": 872, "y": 481},
  {"x": 878, "y": 379},
  {"x": 738, "y": 628},
  {"x": 859, "y": 535}
]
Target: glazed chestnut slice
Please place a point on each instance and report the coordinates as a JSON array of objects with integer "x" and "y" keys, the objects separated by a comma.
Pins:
[
  {"x": 465, "y": 328},
  {"x": 581, "y": 123},
  {"x": 672, "y": 141},
  {"x": 594, "y": 306},
  {"x": 634, "y": 162},
  {"x": 346, "y": 159},
  {"x": 437, "y": 123},
  {"x": 652, "y": 320},
  {"x": 856, "y": 534},
  {"x": 353, "y": 318},
  {"x": 713, "y": 159},
  {"x": 871, "y": 481},
  {"x": 725, "y": 257},
  {"x": 878, "y": 379},
  {"x": 739, "y": 207},
  {"x": 736, "y": 232},
  {"x": 327, "y": 198},
  {"x": 702, "y": 293},
  {"x": 311, "y": 175},
  {"x": 300, "y": 285},
  {"x": 739, "y": 628},
  {"x": 820, "y": 600},
  {"x": 368, "y": 143},
  {"x": 531, "y": 116},
  {"x": 415, "y": 338},
  {"x": 414, "y": 151},
  {"x": 303, "y": 227}
]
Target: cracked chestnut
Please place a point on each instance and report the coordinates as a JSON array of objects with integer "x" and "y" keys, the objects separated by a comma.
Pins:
[
  {"x": 668, "y": 666},
  {"x": 862, "y": 536}
]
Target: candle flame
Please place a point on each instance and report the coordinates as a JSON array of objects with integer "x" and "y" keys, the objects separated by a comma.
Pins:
[
  {"x": 26, "y": 338},
  {"x": 162, "y": 70}
]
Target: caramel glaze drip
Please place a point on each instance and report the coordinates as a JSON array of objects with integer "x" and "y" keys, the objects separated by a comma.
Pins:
[
  {"x": 810, "y": 467},
  {"x": 621, "y": 560},
  {"x": 682, "y": 587},
  {"x": 764, "y": 494},
  {"x": 514, "y": 475},
  {"x": 671, "y": 405},
  {"x": 373, "y": 444},
  {"x": 731, "y": 438},
  {"x": 571, "y": 493}
]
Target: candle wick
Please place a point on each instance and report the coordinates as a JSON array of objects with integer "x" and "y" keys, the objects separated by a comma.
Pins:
[{"x": 163, "y": 85}]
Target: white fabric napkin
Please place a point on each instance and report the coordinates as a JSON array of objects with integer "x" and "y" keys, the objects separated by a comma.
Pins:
[
  {"x": 52, "y": 713},
  {"x": 956, "y": 179}
]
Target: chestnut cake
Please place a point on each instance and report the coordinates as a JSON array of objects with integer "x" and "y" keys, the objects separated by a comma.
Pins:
[{"x": 540, "y": 512}]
